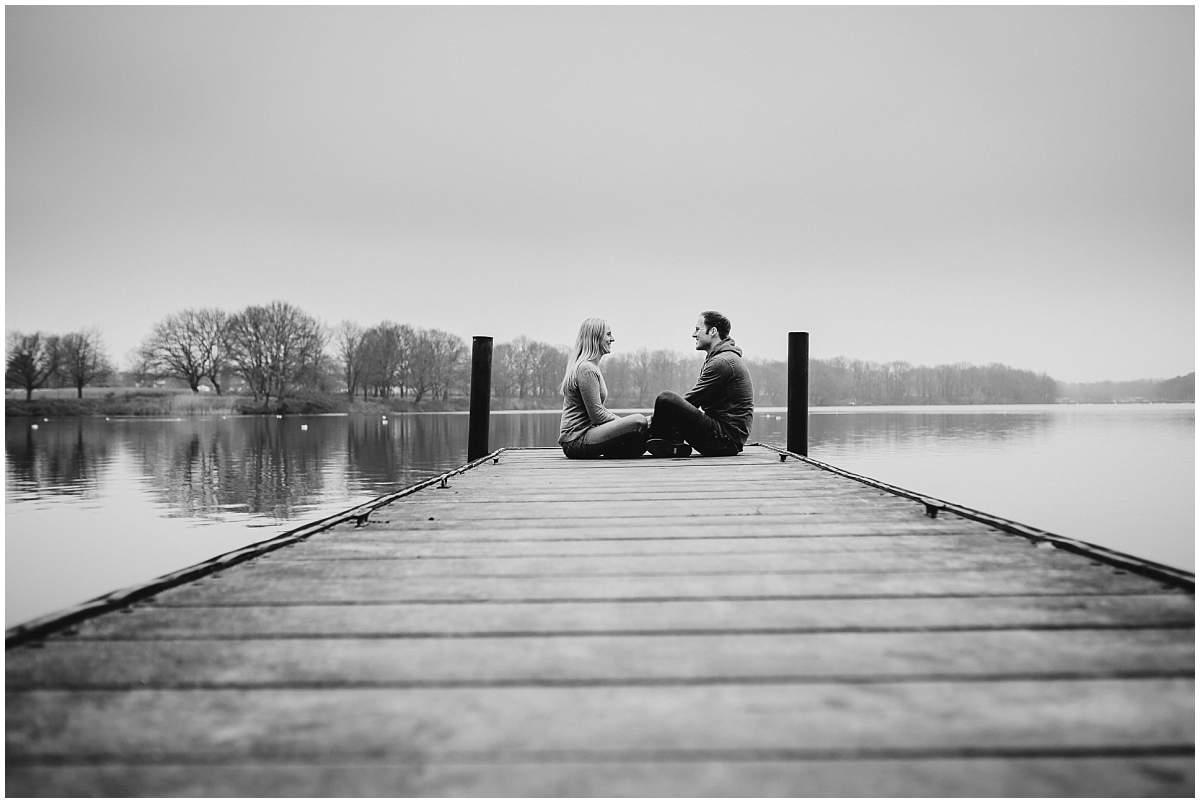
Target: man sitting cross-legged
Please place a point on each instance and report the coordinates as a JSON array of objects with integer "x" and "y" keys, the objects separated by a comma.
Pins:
[{"x": 716, "y": 414}]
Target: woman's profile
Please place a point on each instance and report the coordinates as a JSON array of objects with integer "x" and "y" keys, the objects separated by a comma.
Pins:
[{"x": 589, "y": 429}]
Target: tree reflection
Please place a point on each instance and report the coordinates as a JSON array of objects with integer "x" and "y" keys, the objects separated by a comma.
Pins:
[
  {"x": 525, "y": 430},
  {"x": 283, "y": 467},
  {"x": 385, "y": 452},
  {"x": 259, "y": 466},
  {"x": 54, "y": 459}
]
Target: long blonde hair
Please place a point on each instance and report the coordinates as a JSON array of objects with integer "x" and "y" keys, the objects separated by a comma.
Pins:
[{"x": 588, "y": 346}]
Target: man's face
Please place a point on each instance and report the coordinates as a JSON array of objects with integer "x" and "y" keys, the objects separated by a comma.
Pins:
[{"x": 705, "y": 337}]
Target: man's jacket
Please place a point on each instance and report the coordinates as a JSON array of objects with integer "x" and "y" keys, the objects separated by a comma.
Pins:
[{"x": 724, "y": 391}]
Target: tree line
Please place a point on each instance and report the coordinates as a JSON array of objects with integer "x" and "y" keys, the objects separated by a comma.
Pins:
[
  {"x": 1176, "y": 389},
  {"x": 76, "y": 359},
  {"x": 274, "y": 351}
]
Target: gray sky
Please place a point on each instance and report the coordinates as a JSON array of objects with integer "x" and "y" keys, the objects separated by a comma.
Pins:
[{"x": 936, "y": 184}]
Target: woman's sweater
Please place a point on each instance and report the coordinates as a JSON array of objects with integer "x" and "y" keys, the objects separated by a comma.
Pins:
[{"x": 583, "y": 403}]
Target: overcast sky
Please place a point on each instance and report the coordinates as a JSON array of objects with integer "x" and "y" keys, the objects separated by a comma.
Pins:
[{"x": 937, "y": 184}]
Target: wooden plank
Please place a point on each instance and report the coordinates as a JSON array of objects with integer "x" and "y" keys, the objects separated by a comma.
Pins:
[
  {"x": 769, "y": 479},
  {"x": 384, "y": 525},
  {"x": 699, "y": 466},
  {"x": 764, "y": 480},
  {"x": 1167, "y": 610},
  {"x": 665, "y": 658},
  {"x": 731, "y": 521},
  {"x": 1114, "y": 775},
  {"x": 505, "y": 724},
  {"x": 554, "y": 460},
  {"x": 1086, "y": 579},
  {"x": 665, "y": 512},
  {"x": 405, "y": 546},
  {"x": 659, "y": 565},
  {"x": 754, "y": 492},
  {"x": 636, "y": 488},
  {"x": 626, "y": 473}
]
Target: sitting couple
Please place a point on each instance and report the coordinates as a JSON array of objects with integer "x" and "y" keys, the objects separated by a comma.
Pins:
[{"x": 714, "y": 416}]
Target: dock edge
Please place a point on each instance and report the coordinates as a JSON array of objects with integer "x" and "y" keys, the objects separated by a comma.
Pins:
[
  {"x": 46, "y": 625},
  {"x": 1177, "y": 578}
]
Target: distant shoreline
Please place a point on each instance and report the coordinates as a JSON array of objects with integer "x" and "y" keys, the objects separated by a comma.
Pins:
[{"x": 158, "y": 403}]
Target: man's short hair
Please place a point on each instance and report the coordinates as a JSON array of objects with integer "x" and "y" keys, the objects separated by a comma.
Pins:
[{"x": 718, "y": 320}]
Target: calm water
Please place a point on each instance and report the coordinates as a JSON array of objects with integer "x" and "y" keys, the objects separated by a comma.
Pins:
[{"x": 92, "y": 506}]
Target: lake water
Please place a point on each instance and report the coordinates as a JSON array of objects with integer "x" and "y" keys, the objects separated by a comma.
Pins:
[{"x": 95, "y": 505}]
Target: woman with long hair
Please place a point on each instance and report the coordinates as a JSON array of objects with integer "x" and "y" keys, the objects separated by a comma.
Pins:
[{"x": 589, "y": 429}]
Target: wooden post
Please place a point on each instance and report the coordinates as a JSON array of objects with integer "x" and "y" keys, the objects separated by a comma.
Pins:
[
  {"x": 481, "y": 397},
  {"x": 797, "y": 394}
]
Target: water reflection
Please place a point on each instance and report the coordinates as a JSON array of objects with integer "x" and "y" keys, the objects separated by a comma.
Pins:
[
  {"x": 263, "y": 466},
  {"x": 53, "y": 460},
  {"x": 929, "y": 429},
  {"x": 203, "y": 468},
  {"x": 280, "y": 468},
  {"x": 523, "y": 429}
]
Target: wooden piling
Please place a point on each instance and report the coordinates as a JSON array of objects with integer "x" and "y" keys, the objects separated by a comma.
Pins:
[
  {"x": 797, "y": 393},
  {"x": 479, "y": 419}
]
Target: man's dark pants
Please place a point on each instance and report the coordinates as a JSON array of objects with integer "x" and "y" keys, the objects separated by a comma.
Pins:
[{"x": 676, "y": 419}]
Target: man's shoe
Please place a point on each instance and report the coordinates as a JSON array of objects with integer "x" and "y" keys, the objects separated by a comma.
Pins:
[
  {"x": 660, "y": 447},
  {"x": 683, "y": 450}
]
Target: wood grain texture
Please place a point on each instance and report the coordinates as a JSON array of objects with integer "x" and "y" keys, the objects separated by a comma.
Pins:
[
  {"x": 1116, "y": 775},
  {"x": 234, "y": 588},
  {"x": 503, "y": 722},
  {"x": 1165, "y": 610},
  {"x": 581, "y": 660},
  {"x": 700, "y": 627}
]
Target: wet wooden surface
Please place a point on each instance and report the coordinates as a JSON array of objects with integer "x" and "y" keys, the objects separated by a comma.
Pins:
[{"x": 695, "y": 627}]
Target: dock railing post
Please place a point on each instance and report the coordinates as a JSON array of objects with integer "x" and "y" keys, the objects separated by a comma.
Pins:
[
  {"x": 481, "y": 397},
  {"x": 797, "y": 393}
]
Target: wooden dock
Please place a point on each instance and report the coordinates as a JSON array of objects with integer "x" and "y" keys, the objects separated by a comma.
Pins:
[{"x": 688, "y": 627}]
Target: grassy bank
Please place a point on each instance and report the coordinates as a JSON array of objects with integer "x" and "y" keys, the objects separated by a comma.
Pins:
[{"x": 161, "y": 402}]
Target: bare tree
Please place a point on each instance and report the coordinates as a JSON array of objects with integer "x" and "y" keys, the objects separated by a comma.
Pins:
[
  {"x": 529, "y": 368},
  {"x": 189, "y": 345},
  {"x": 523, "y": 358},
  {"x": 349, "y": 341},
  {"x": 140, "y": 372},
  {"x": 387, "y": 357},
  {"x": 449, "y": 352},
  {"x": 210, "y": 326},
  {"x": 549, "y": 371},
  {"x": 275, "y": 348},
  {"x": 503, "y": 376},
  {"x": 635, "y": 378},
  {"x": 643, "y": 375},
  {"x": 436, "y": 359},
  {"x": 81, "y": 359},
  {"x": 406, "y": 338},
  {"x": 30, "y": 361}
]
